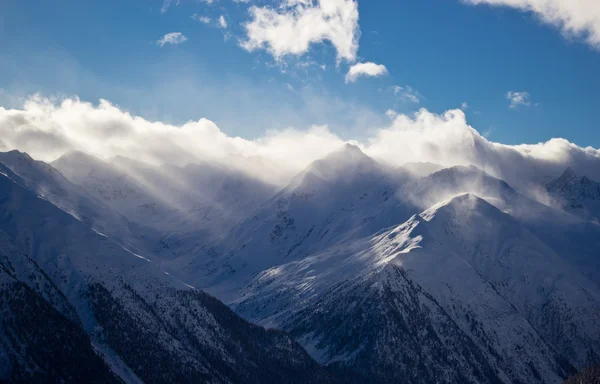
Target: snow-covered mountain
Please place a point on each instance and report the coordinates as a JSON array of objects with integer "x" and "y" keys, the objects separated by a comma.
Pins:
[
  {"x": 574, "y": 237},
  {"x": 51, "y": 185},
  {"x": 461, "y": 282},
  {"x": 325, "y": 240},
  {"x": 335, "y": 200},
  {"x": 577, "y": 195},
  {"x": 415, "y": 274},
  {"x": 176, "y": 209},
  {"x": 71, "y": 294},
  {"x": 115, "y": 188}
]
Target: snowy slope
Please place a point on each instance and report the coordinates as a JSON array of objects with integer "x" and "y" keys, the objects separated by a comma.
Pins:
[
  {"x": 475, "y": 291},
  {"x": 145, "y": 323},
  {"x": 50, "y": 184},
  {"x": 575, "y": 239}
]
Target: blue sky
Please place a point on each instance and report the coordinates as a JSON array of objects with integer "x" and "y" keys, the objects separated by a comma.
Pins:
[{"x": 438, "y": 54}]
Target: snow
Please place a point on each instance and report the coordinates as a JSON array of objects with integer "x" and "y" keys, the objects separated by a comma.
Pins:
[
  {"x": 517, "y": 278},
  {"x": 136, "y": 255}
]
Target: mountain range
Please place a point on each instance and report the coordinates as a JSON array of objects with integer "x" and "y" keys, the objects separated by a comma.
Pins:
[{"x": 352, "y": 271}]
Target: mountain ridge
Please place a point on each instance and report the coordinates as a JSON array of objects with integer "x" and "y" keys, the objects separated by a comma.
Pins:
[{"x": 381, "y": 274}]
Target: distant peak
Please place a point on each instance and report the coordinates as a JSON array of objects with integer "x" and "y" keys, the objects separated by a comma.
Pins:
[
  {"x": 345, "y": 163},
  {"x": 76, "y": 156},
  {"x": 15, "y": 155},
  {"x": 18, "y": 154},
  {"x": 352, "y": 147},
  {"x": 568, "y": 174},
  {"x": 566, "y": 178},
  {"x": 457, "y": 170},
  {"x": 347, "y": 152},
  {"x": 348, "y": 155}
]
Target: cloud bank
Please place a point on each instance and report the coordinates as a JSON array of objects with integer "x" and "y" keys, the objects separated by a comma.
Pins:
[
  {"x": 575, "y": 18},
  {"x": 47, "y": 129}
]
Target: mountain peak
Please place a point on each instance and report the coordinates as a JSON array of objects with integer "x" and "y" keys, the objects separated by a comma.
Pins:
[
  {"x": 345, "y": 156},
  {"x": 352, "y": 147},
  {"x": 460, "y": 206},
  {"x": 569, "y": 174},
  {"x": 73, "y": 164},
  {"x": 347, "y": 161},
  {"x": 567, "y": 177},
  {"x": 76, "y": 156},
  {"x": 15, "y": 154},
  {"x": 22, "y": 164},
  {"x": 347, "y": 152}
]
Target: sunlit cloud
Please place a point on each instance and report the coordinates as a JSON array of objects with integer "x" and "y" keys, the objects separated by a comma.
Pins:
[
  {"x": 365, "y": 70},
  {"x": 574, "y": 18},
  {"x": 292, "y": 28},
  {"x": 46, "y": 129}
]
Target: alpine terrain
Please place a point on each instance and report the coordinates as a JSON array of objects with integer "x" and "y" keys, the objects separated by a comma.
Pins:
[{"x": 352, "y": 271}]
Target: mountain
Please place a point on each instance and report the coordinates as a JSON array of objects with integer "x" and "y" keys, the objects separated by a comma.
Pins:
[
  {"x": 440, "y": 185},
  {"x": 274, "y": 271},
  {"x": 89, "y": 300},
  {"x": 175, "y": 209},
  {"x": 336, "y": 199},
  {"x": 421, "y": 169},
  {"x": 51, "y": 185},
  {"x": 34, "y": 314},
  {"x": 101, "y": 180},
  {"x": 118, "y": 190},
  {"x": 577, "y": 195},
  {"x": 459, "y": 293},
  {"x": 575, "y": 239},
  {"x": 415, "y": 274}
]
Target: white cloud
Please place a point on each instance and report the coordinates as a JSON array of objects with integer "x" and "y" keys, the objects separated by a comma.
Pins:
[
  {"x": 575, "y": 18},
  {"x": 518, "y": 99},
  {"x": 365, "y": 69},
  {"x": 407, "y": 93},
  {"x": 201, "y": 19},
  {"x": 166, "y": 4},
  {"x": 391, "y": 113},
  {"x": 171, "y": 38},
  {"x": 464, "y": 105},
  {"x": 222, "y": 22},
  {"x": 296, "y": 24},
  {"x": 447, "y": 139},
  {"x": 47, "y": 129}
]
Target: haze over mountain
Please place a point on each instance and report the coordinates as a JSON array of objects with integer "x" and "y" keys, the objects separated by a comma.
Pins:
[{"x": 118, "y": 313}]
